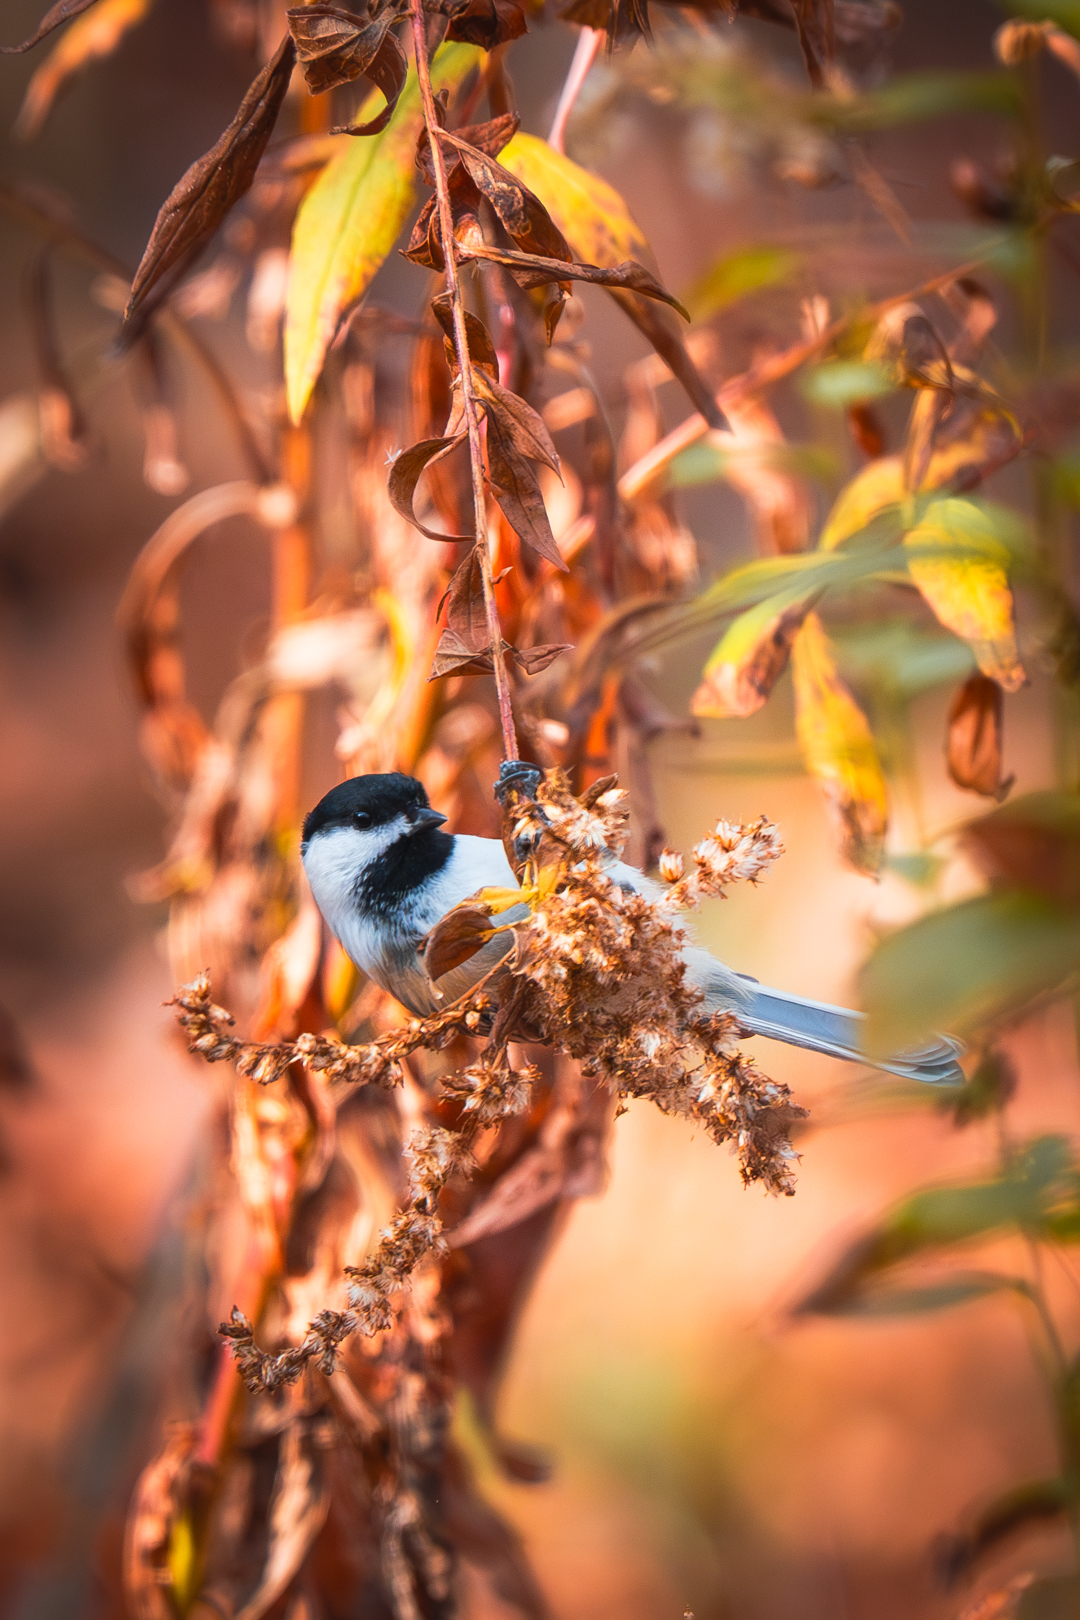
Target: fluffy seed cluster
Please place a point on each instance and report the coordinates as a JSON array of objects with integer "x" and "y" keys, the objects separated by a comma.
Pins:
[
  {"x": 598, "y": 973},
  {"x": 607, "y": 982}
]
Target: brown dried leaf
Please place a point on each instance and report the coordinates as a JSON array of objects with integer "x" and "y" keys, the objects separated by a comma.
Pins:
[
  {"x": 155, "y": 1506},
  {"x": 481, "y": 349},
  {"x": 489, "y": 137},
  {"x": 212, "y": 185},
  {"x": 405, "y": 474},
  {"x": 465, "y": 644},
  {"x": 520, "y": 210},
  {"x": 973, "y": 739},
  {"x": 1032, "y": 843},
  {"x": 456, "y": 938},
  {"x": 535, "y": 659},
  {"x": 516, "y": 487},
  {"x": 666, "y": 338},
  {"x": 531, "y": 270},
  {"x": 486, "y": 23},
  {"x": 56, "y": 16},
  {"x": 334, "y": 47},
  {"x": 521, "y": 425}
]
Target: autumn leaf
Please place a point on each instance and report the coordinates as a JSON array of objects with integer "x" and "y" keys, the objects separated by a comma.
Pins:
[
  {"x": 601, "y": 231},
  {"x": 747, "y": 661},
  {"x": 589, "y": 213},
  {"x": 348, "y": 224},
  {"x": 973, "y": 738},
  {"x": 838, "y": 747},
  {"x": 959, "y": 562},
  {"x": 333, "y": 47},
  {"x": 200, "y": 201},
  {"x": 465, "y": 644},
  {"x": 89, "y": 39},
  {"x": 486, "y": 23},
  {"x": 405, "y": 475}
]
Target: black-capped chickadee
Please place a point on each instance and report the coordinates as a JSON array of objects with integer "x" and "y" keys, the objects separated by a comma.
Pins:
[{"x": 383, "y": 873}]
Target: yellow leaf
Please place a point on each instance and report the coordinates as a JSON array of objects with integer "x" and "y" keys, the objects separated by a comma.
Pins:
[
  {"x": 591, "y": 215},
  {"x": 95, "y": 34},
  {"x": 960, "y": 564},
  {"x": 838, "y": 747},
  {"x": 348, "y": 224},
  {"x": 879, "y": 485}
]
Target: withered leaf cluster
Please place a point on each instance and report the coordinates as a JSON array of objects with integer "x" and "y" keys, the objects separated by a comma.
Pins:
[{"x": 334, "y": 47}]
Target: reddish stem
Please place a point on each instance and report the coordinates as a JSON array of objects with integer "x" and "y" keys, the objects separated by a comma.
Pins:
[{"x": 468, "y": 397}]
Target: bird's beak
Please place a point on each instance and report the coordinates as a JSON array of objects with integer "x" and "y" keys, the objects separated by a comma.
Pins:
[{"x": 425, "y": 819}]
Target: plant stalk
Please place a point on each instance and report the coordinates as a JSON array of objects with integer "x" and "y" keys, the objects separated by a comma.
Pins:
[{"x": 468, "y": 397}]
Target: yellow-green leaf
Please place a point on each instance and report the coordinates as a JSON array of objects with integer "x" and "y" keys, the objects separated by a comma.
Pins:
[
  {"x": 877, "y": 486},
  {"x": 591, "y": 215},
  {"x": 959, "y": 562},
  {"x": 838, "y": 747},
  {"x": 748, "y": 660},
  {"x": 348, "y": 224},
  {"x": 736, "y": 275}
]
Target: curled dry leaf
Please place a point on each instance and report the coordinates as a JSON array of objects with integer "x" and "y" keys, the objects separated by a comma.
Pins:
[
  {"x": 838, "y": 747},
  {"x": 535, "y": 271},
  {"x": 335, "y": 47},
  {"x": 486, "y": 23},
  {"x": 405, "y": 474},
  {"x": 56, "y": 16},
  {"x": 973, "y": 738},
  {"x": 200, "y": 201},
  {"x": 465, "y": 644},
  {"x": 481, "y": 349}
]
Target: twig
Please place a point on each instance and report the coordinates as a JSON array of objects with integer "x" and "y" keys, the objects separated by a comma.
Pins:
[
  {"x": 468, "y": 397},
  {"x": 589, "y": 42},
  {"x": 639, "y": 478}
]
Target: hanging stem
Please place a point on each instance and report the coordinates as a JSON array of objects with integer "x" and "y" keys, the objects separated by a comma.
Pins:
[
  {"x": 585, "y": 54},
  {"x": 468, "y": 397}
]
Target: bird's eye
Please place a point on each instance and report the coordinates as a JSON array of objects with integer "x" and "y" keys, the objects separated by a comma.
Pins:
[{"x": 362, "y": 818}]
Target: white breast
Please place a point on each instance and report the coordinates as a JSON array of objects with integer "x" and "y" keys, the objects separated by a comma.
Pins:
[{"x": 386, "y": 948}]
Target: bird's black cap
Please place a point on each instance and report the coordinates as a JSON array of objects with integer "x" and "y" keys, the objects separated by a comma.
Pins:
[{"x": 381, "y": 798}]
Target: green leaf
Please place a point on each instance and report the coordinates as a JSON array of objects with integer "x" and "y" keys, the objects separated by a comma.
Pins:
[
  {"x": 1027, "y": 1197},
  {"x": 841, "y": 383},
  {"x": 960, "y": 1289},
  {"x": 900, "y": 660},
  {"x": 958, "y": 968},
  {"x": 912, "y": 97},
  {"x": 738, "y": 274},
  {"x": 348, "y": 224}
]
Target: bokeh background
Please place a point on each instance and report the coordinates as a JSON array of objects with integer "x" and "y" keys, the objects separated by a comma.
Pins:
[{"x": 709, "y": 1454}]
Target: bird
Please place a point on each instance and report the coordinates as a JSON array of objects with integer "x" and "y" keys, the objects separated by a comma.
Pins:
[{"x": 383, "y": 872}]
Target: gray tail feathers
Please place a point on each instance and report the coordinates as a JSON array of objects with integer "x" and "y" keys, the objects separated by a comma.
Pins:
[{"x": 819, "y": 1027}]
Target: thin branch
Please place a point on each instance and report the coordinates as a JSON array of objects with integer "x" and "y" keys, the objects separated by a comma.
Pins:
[
  {"x": 637, "y": 480},
  {"x": 468, "y": 397},
  {"x": 585, "y": 53}
]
